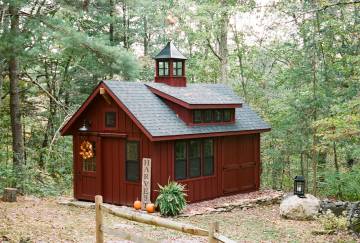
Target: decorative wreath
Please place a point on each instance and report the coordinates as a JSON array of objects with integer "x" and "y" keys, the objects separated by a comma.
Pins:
[{"x": 86, "y": 150}]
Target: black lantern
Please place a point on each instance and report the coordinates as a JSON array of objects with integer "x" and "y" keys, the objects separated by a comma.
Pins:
[
  {"x": 84, "y": 127},
  {"x": 299, "y": 186}
]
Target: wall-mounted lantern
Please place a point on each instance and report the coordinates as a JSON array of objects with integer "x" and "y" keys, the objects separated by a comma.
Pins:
[
  {"x": 84, "y": 127},
  {"x": 299, "y": 186}
]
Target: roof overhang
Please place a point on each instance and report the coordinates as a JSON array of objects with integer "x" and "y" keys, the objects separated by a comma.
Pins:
[{"x": 191, "y": 106}]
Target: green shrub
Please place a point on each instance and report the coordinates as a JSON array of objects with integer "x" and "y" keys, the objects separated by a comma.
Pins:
[
  {"x": 171, "y": 199},
  {"x": 343, "y": 185},
  {"x": 330, "y": 222}
]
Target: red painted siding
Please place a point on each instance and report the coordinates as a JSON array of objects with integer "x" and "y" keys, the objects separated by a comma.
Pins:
[{"x": 236, "y": 159}]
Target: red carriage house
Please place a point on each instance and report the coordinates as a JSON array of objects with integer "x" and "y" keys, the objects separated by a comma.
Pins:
[{"x": 201, "y": 135}]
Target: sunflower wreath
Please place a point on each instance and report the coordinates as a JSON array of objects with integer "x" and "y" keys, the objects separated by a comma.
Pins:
[{"x": 86, "y": 150}]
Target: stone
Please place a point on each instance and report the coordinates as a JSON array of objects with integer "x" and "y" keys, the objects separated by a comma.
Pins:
[
  {"x": 294, "y": 207},
  {"x": 354, "y": 218},
  {"x": 336, "y": 207}
]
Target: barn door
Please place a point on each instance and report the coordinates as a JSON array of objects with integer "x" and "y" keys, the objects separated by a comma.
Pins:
[
  {"x": 239, "y": 167},
  {"x": 113, "y": 155},
  {"x": 87, "y": 167}
]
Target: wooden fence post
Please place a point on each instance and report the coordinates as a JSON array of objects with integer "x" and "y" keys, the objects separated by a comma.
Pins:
[
  {"x": 99, "y": 219},
  {"x": 214, "y": 228}
]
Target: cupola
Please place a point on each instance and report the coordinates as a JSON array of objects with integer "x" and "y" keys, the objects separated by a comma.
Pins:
[{"x": 170, "y": 66}]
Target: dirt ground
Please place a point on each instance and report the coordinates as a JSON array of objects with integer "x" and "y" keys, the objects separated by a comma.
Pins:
[{"x": 44, "y": 220}]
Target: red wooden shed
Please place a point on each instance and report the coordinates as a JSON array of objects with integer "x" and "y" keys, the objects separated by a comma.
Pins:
[{"x": 201, "y": 135}]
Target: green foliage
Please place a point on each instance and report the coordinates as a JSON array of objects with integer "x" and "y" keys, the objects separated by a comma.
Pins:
[
  {"x": 331, "y": 222},
  {"x": 343, "y": 185},
  {"x": 171, "y": 199}
]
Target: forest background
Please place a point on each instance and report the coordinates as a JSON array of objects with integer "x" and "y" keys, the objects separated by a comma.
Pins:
[{"x": 296, "y": 62}]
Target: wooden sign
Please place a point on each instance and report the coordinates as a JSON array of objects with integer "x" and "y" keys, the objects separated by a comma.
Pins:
[{"x": 146, "y": 182}]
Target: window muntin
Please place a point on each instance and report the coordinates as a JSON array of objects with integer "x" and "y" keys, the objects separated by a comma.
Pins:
[
  {"x": 180, "y": 160},
  {"x": 208, "y": 157},
  {"x": 110, "y": 119},
  {"x": 208, "y": 116},
  {"x": 227, "y": 115},
  {"x": 132, "y": 161},
  {"x": 197, "y": 116},
  {"x": 177, "y": 68},
  {"x": 194, "y": 158},
  {"x": 163, "y": 68},
  {"x": 89, "y": 165}
]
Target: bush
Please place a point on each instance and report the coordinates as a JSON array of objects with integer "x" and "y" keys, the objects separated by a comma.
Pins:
[
  {"x": 171, "y": 199},
  {"x": 343, "y": 185},
  {"x": 330, "y": 222}
]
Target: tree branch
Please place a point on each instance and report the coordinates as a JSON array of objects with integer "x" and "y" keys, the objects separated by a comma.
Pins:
[{"x": 212, "y": 49}]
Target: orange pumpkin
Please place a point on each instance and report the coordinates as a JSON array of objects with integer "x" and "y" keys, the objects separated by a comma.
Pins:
[
  {"x": 137, "y": 204},
  {"x": 150, "y": 208}
]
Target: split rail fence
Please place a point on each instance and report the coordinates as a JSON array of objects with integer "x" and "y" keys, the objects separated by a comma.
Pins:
[{"x": 212, "y": 233}]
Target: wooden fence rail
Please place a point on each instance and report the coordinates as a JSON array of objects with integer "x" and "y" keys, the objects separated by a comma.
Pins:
[{"x": 212, "y": 233}]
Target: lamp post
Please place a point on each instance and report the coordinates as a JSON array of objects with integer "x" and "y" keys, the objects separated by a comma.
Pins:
[{"x": 299, "y": 186}]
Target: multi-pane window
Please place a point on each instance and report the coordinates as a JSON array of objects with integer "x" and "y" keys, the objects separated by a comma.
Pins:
[
  {"x": 227, "y": 115},
  {"x": 208, "y": 157},
  {"x": 163, "y": 68},
  {"x": 110, "y": 119},
  {"x": 89, "y": 164},
  {"x": 213, "y": 115},
  {"x": 197, "y": 116},
  {"x": 218, "y": 114},
  {"x": 180, "y": 160},
  {"x": 132, "y": 161},
  {"x": 194, "y": 158},
  {"x": 177, "y": 68},
  {"x": 208, "y": 116}
]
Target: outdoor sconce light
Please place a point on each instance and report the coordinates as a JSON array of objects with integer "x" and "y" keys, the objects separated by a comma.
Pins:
[
  {"x": 84, "y": 127},
  {"x": 299, "y": 186}
]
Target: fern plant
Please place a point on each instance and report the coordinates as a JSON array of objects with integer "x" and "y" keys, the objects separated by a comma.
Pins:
[{"x": 171, "y": 199}]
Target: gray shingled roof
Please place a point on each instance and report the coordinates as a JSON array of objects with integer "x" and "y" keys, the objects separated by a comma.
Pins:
[
  {"x": 159, "y": 120},
  {"x": 170, "y": 51},
  {"x": 198, "y": 94}
]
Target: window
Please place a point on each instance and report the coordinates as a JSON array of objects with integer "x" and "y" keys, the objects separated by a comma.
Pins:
[
  {"x": 163, "y": 68},
  {"x": 89, "y": 165},
  {"x": 218, "y": 114},
  {"x": 180, "y": 160},
  {"x": 208, "y": 116},
  {"x": 177, "y": 68},
  {"x": 110, "y": 119},
  {"x": 197, "y": 116},
  {"x": 208, "y": 157},
  {"x": 194, "y": 158},
  {"x": 132, "y": 161},
  {"x": 227, "y": 115}
]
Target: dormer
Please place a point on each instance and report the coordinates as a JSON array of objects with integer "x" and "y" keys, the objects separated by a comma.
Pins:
[{"x": 170, "y": 66}]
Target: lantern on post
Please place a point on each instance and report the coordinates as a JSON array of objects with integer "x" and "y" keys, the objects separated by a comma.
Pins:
[{"x": 299, "y": 186}]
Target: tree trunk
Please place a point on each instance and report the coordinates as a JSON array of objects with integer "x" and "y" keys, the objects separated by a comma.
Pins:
[
  {"x": 15, "y": 112},
  {"x": 9, "y": 195},
  {"x": 223, "y": 44},
  {"x": 1, "y": 86},
  {"x": 146, "y": 40},
  {"x": 335, "y": 158}
]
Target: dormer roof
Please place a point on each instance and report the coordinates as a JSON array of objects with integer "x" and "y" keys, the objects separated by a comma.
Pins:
[
  {"x": 200, "y": 94},
  {"x": 170, "y": 52}
]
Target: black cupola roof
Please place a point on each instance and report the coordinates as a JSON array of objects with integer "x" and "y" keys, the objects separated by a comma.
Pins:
[{"x": 170, "y": 51}]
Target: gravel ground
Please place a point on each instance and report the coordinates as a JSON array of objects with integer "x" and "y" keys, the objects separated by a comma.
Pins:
[{"x": 44, "y": 220}]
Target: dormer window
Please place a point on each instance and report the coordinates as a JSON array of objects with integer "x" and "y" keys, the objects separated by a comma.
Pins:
[
  {"x": 163, "y": 68},
  {"x": 177, "y": 68},
  {"x": 213, "y": 116}
]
